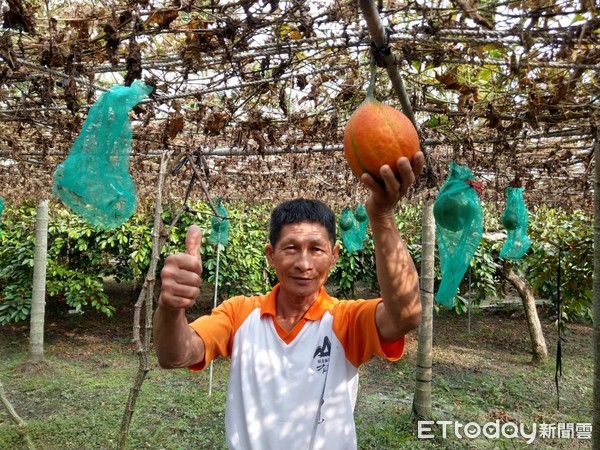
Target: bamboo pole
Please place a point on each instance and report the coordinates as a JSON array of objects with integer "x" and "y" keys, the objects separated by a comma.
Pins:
[
  {"x": 422, "y": 408},
  {"x": 596, "y": 304},
  {"x": 210, "y": 376},
  {"x": 38, "y": 297}
]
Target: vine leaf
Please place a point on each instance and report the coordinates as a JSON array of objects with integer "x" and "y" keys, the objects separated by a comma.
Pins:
[
  {"x": 175, "y": 125},
  {"x": 163, "y": 18}
]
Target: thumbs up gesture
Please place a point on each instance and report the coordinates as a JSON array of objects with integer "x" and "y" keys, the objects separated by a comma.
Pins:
[{"x": 181, "y": 274}]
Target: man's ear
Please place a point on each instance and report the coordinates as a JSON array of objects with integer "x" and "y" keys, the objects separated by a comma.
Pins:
[
  {"x": 269, "y": 254},
  {"x": 336, "y": 254}
]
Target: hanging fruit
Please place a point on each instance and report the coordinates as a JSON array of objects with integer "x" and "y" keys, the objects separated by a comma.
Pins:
[
  {"x": 346, "y": 222},
  {"x": 452, "y": 213},
  {"x": 361, "y": 213},
  {"x": 510, "y": 220},
  {"x": 377, "y": 134}
]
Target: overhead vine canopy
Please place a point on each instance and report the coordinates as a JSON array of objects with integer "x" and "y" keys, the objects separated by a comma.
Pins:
[{"x": 257, "y": 93}]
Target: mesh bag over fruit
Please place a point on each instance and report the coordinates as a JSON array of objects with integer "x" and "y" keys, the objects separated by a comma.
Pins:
[
  {"x": 350, "y": 231},
  {"x": 360, "y": 214},
  {"x": 459, "y": 224},
  {"x": 515, "y": 221},
  {"x": 219, "y": 226},
  {"x": 94, "y": 180}
]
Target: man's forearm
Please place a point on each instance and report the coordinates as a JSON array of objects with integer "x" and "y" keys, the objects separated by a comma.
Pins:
[
  {"x": 176, "y": 344},
  {"x": 396, "y": 273}
]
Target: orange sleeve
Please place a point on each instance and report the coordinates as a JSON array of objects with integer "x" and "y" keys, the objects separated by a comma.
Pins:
[
  {"x": 354, "y": 325},
  {"x": 218, "y": 328}
]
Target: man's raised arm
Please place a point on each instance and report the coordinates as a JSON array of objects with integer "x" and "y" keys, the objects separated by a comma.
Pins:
[
  {"x": 176, "y": 344},
  {"x": 398, "y": 279}
]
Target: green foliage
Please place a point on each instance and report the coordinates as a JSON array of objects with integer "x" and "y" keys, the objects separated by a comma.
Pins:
[
  {"x": 573, "y": 232},
  {"x": 359, "y": 267},
  {"x": 243, "y": 268},
  {"x": 351, "y": 268},
  {"x": 73, "y": 271},
  {"x": 80, "y": 256},
  {"x": 548, "y": 229},
  {"x": 16, "y": 265}
]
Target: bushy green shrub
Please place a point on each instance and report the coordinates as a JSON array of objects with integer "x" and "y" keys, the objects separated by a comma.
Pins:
[
  {"x": 73, "y": 271},
  {"x": 81, "y": 256},
  {"x": 16, "y": 265},
  {"x": 572, "y": 232}
]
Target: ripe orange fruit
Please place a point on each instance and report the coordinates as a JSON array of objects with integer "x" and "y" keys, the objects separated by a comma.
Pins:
[{"x": 377, "y": 134}]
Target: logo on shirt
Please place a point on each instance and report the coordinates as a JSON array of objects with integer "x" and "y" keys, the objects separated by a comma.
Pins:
[{"x": 322, "y": 354}]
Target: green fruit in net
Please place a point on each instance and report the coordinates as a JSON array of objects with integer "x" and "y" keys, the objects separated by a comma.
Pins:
[
  {"x": 346, "y": 222},
  {"x": 217, "y": 225},
  {"x": 510, "y": 220},
  {"x": 451, "y": 213},
  {"x": 361, "y": 214}
]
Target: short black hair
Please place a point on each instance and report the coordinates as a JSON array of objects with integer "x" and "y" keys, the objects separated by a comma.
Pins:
[{"x": 301, "y": 210}]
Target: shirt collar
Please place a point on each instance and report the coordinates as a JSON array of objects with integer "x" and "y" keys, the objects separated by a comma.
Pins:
[{"x": 315, "y": 312}]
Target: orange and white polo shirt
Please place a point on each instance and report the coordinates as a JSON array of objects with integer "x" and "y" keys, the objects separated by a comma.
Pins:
[{"x": 293, "y": 390}]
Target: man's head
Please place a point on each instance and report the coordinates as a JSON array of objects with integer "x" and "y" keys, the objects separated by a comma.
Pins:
[
  {"x": 302, "y": 249},
  {"x": 301, "y": 210}
]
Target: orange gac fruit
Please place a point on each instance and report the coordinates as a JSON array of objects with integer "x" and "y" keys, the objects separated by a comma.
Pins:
[{"x": 377, "y": 134}]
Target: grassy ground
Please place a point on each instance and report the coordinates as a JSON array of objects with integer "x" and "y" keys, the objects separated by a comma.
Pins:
[{"x": 76, "y": 399}]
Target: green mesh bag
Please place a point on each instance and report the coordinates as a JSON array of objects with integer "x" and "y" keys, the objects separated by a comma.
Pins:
[
  {"x": 459, "y": 223},
  {"x": 360, "y": 213},
  {"x": 515, "y": 222},
  {"x": 94, "y": 180},
  {"x": 219, "y": 227},
  {"x": 350, "y": 230}
]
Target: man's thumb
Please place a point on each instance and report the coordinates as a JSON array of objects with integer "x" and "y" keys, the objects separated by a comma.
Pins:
[{"x": 193, "y": 240}]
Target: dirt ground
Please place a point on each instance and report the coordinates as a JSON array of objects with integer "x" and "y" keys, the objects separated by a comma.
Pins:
[{"x": 481, "y": 365}]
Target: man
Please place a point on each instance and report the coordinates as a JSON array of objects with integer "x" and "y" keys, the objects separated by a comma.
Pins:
[{"x": 295, "y": 352}]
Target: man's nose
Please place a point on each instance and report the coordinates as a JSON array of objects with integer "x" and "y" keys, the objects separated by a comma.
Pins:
[{"x": 303, "y": 261}]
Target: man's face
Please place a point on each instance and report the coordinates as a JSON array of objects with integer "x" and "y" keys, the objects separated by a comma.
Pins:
[{"x": 302, "y": 258}]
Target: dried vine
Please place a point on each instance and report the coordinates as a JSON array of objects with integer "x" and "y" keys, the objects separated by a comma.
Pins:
[
  {"x": 269, "y": 78},
  {"x": 145, "y": 303}
]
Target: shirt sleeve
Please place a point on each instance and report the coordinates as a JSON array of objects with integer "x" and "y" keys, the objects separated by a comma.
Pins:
[
  {"x": 354, "y": 325},
  {"x": 217, "y": 330}
]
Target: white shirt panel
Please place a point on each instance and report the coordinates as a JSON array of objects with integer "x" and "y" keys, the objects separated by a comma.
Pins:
[{"x": 275, "y": 389}]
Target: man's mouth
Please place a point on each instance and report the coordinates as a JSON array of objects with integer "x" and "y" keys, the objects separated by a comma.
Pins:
[{"x": 302, "y": 280}]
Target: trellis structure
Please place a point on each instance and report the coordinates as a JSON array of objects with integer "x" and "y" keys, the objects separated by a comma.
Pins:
[
  {"x": 257, "y": 95},
  {"x": 262, "y": 90}
]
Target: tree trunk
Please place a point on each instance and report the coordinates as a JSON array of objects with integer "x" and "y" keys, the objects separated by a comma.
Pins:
[
  {"x": 38, "y": 297},
  {"x": 422, "y": 401},
  {"x": 596, "y": 305},
  {"x": 538, "y": 343}
]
